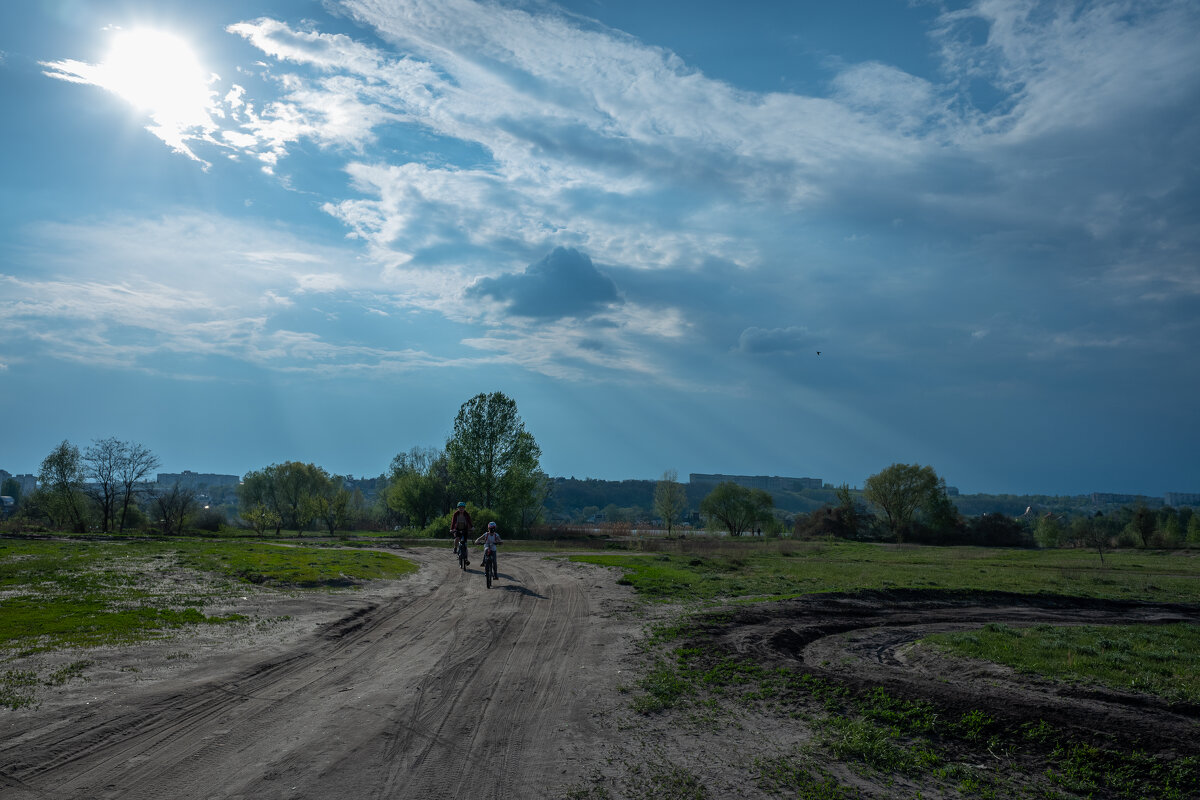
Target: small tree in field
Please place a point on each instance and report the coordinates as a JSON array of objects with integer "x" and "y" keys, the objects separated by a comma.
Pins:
[
  {"x": 1193, "y": 530},
  {"x": 260, "y": 518},
  {"x": 736, "y": 507},
  {"x": 900, "y": 490},
  {"x": 329, "y": 505},
  {"x": 670, "y": 499}
]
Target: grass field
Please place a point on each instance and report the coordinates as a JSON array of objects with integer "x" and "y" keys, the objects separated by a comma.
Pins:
[
  {"x": 723, "y": 570},
  {"x": 1160, "y": 659},
  {"x": 81, "y": 593},
  {"x": 876, "y": 734}
]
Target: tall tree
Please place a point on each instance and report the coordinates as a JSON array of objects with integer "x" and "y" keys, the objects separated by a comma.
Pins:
[
  {"x": 174, "y": 506},
  {"x": 115, "y": 469},
  {"x": 329, "y": 504},
  {"x": 135, "y": 466},
  {"x": 295, "y": 484},
  {"x": 847, "y": 511},
  {"x": 101, "y": 462},
  {"x": 419, "y": 486},
  {"x": 61, "y": 479},
  {"x": 260, "y": 488},
  {"x": 738, "y": 508},
  {"x": 1143, "y": 525},
  {"x": 900, "y": 490},
  {"x": 487, "y": 442},
  {"x": 670, "y": 499},
  {"x": 524, "y": 488}
]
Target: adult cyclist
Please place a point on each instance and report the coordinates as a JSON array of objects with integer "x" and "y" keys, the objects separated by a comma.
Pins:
[
  {"x": 490, "y": 540},
  {"x": 461, "y": 527}
]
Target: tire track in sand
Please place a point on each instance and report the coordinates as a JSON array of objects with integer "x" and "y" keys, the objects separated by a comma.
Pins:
[{"x": 452, "y": 692}]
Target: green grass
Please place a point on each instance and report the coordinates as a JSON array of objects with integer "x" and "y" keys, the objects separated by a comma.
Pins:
[
  {"x": 293, "y": 566},
  {"x": 1157, "y": 659},
  {"x": 80, "y": 593},
  {"x": 782, "y": 569}
]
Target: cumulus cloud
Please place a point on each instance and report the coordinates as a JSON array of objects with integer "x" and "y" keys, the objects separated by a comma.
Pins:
[{"x": 563, "y": 284}]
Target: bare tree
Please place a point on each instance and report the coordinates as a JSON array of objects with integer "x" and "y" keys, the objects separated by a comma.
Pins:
[
  {"x": 101, "y": 463},
  {"x": 138, "y": 462},
  {"x": 115, "y": 469},
  {"x": 174, "y": 506}
]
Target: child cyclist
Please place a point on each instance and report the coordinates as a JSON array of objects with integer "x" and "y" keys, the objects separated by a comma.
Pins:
[
  {"x": 490, "y": 540},
  {"x": 460, "y": 527}
]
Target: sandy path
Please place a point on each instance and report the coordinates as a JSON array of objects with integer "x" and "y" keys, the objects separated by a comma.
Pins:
[{"x": 444, "y": 689}]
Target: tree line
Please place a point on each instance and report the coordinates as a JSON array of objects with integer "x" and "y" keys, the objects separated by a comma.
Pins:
[
  {"x": 913, "y": 506},
  {"x": 490, "y": 461}
]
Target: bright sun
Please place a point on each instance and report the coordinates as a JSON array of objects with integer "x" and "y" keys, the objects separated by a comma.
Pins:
[{"x": 158, "y": 73}]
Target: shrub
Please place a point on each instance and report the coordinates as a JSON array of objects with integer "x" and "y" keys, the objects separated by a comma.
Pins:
[{"x": 208, "y": 519}]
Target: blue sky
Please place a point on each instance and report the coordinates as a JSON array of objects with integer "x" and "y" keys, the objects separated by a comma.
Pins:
[{"x": 247, "y": 232}]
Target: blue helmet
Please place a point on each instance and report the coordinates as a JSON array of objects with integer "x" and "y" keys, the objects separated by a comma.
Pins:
[
  {"x": 462, "y": 504},
  {"x": 491, "y": 526}
]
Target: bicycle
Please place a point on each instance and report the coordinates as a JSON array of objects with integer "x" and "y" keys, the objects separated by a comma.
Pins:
[
  {"x": 462, "y": 554},
  {"x": 489, "y": 566}
]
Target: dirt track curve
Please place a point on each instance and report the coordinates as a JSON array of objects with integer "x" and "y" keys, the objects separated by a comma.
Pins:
[
  {"x": 443, "y": 689},
  {"x": 867, "y": 640}
]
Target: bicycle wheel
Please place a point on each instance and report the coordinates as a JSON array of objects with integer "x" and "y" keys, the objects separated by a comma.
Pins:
[{"x": 487, "y": 570}]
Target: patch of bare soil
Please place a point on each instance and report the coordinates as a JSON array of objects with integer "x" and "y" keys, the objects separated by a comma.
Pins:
[
  {"x": 431, "y": 686},
  {"x": 866, "y": 640},
  {"x": 801, "y": 740}
]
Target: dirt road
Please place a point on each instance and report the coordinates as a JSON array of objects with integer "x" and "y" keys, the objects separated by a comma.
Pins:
[{"x": 442, "y": 689}]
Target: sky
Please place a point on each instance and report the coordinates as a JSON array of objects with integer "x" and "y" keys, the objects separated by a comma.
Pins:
[{"x": 809, "y": 239}]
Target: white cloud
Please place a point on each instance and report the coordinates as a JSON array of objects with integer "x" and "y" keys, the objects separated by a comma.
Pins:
[
  {"x": 125, "y": 292},
  {"x": 1069, "y": 66},
  {"x": 541, "y": 129}
]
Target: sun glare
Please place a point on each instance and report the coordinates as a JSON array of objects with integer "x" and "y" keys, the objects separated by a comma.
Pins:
[{"x": 158, "y": 73}]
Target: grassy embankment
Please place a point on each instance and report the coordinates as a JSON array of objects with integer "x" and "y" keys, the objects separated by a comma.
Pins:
[
  {"x": 78, "y": 593},
  {"x": 906, "y": 741}
]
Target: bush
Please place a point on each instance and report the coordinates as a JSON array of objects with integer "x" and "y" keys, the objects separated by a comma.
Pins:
[
  {"x": 998, "y": 530},
  {"x": 480, "y": 517},
  {"x": 208, "y": 519}
]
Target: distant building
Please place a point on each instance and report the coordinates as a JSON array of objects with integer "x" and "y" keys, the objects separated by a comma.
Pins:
[
  {"x": 26, "y": 483},
  {"x": 771, "y": 483},
  {"x": 1181, "y": 499},
  {"x": 1107, "y": 498},
  {"x": 196, "y": 480}
]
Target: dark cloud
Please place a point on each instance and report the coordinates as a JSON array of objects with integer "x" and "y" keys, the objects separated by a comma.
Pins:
[
  {"x": 563, "y": 284},
  {"x": 768, "y": 341}
]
